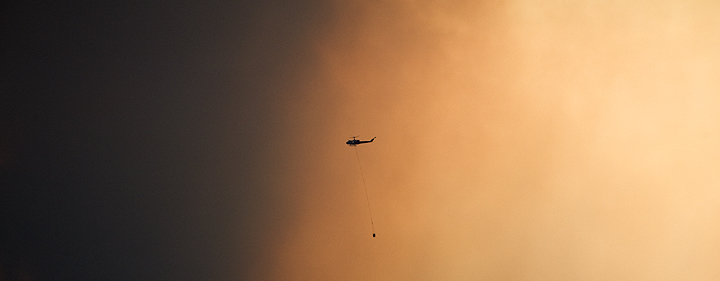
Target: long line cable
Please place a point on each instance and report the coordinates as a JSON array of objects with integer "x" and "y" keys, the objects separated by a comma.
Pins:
[{"x": 366, "y": 193}]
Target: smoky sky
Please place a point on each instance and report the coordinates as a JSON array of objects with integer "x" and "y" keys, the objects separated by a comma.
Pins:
[
  {"x": 516, "y": 140},
  {"x": 140, "y": 139}
]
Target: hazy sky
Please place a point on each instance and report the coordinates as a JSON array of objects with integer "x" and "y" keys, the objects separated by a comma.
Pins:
[{"x": 516, "y": 140}]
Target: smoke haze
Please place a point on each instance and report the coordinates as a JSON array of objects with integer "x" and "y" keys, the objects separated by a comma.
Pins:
[{"x": 516, "y": 140}]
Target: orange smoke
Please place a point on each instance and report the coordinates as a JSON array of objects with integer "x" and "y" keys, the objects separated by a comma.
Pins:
[{"x": 516, "y": 140}]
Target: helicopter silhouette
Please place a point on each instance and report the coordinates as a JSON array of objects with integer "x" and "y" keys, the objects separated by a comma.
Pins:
[{"x": 354, "y": 142}]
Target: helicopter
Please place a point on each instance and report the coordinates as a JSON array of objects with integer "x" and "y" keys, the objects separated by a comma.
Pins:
[{"x": 354, "y": 142}]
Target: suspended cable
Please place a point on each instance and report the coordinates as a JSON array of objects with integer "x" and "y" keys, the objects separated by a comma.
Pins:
[{"x": 366, "y": 193}]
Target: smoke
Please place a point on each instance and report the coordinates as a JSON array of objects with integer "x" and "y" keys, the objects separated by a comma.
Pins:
[{"x": 516, "y": 140}]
